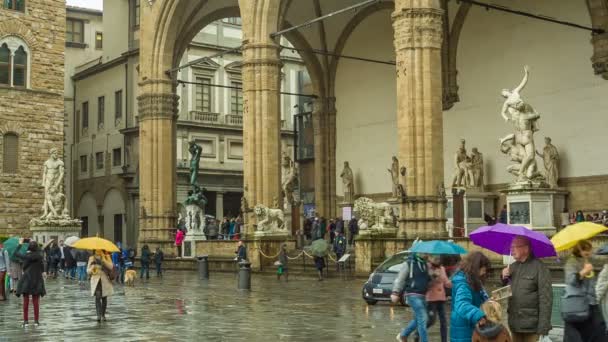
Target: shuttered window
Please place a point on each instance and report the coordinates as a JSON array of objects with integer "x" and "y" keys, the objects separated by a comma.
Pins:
[{"x": 10, "y": 147}]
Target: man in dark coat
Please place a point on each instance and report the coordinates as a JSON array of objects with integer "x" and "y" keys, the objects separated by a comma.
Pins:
[
  {"x": 70, "y": 262},
  {"x": 353, "y": 228},
  {"x": 532, "y": 299}
]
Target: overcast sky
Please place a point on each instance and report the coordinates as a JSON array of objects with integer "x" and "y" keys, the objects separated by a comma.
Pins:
[{"x": 96, "y": 4}]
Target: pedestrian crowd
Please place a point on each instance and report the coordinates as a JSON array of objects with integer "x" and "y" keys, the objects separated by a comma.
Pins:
[{"x": 477, "y": 316}]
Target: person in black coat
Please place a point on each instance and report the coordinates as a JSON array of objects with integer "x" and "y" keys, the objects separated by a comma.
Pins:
[
  {"x": 53, "y": 258},
  {"x": 69, "y": 262},
  {"x": 32, "y": 281},
  {"x": 159, "y": 256},
  {"x": 146, "y": 256}
]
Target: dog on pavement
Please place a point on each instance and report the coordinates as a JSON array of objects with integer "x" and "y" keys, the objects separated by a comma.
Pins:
[{"x": 130, "y": 277}]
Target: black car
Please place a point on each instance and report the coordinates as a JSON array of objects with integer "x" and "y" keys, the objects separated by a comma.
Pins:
[{"x": 380, "y": 283}]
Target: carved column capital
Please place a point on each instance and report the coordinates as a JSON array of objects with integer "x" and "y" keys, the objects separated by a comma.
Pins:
[
  {"x": 157, "y": 106},
  {"x": 418, "y": 28}
]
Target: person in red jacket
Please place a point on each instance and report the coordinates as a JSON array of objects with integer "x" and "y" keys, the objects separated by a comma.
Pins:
[{"x": 179, "y": 239}]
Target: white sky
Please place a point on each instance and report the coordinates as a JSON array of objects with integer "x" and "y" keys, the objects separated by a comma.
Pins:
[{"x": 96, "y": 4}]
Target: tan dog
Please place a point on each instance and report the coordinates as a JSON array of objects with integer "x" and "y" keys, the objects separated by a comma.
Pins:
[{"x": 130, "y": 277}]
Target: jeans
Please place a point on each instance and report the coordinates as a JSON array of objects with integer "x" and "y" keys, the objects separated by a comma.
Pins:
[
  {"x": 418, "y": 304},
  {"x": 82, "y": 273},
  {"x": 438, "y": 309},
  {"x": 145, "y": 267},
  {"x": 159, "y": 270}
]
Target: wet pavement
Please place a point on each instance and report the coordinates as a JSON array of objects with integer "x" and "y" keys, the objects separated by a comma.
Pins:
[{"x": 182, "y": 307}]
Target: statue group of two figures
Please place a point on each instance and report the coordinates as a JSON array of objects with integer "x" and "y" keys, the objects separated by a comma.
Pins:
[
  {"x": 55, "y": 210},
  {"x": 520, "y": 146}
]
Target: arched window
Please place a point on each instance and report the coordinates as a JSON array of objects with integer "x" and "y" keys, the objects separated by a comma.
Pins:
[
  {"x": 14, "y": 62},
  {"x": 20, "y": 68},
  {"x": 5, "y": 65},
  {"x": 10, "y": 149}
]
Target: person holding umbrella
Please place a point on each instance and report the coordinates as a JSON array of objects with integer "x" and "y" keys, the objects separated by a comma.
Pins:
[
  {"x": 532, "y": 295},
  {"x": 580, "y": 280},
  {"x": 32, "y": 281},
  {"x": 531, "y": 301},
  {"x": 98, "y": 267}
]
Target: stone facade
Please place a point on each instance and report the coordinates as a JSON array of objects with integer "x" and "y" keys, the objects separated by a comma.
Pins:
[{"x": 33, "y": 113}]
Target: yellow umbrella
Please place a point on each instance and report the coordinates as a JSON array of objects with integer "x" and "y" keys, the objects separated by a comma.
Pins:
[
  {"x": 571, "y": 235},
  {"x": 95, "y": 243}
]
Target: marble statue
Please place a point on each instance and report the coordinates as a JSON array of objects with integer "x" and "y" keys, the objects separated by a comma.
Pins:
[
  {"x": 195, "y": 158},
  {"x": 376, "y": 216},
  {"x": 348, "y": 183},
  {"x": 462, "y": 167},
  {"x": 524, "y": 119},
  {"x": 551, "y": 160},
  {"x": 54, "y": 205},
  {"x": 476, "y": 169},
  {"x": 269, "y": 220},
  {"x": 289, "y": 180},
  {"x": 394, "y": 172}
]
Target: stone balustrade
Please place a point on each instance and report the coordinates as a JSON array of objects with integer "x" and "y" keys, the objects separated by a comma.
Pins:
[{"x": 223, "y": 119}]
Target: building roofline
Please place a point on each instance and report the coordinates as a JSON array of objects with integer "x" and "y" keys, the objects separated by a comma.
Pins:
[
  {"x": 97, "y": 68},
  {"x": 84, "y": 10}
]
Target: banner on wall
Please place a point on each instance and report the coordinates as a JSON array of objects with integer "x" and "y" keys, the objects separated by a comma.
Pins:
[
  {"x": 309, "y": 210},
  {"x": 347, "y": 213}
]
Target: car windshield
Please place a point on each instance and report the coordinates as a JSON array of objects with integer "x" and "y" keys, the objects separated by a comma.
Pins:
[{"x": 393, "y": 264}]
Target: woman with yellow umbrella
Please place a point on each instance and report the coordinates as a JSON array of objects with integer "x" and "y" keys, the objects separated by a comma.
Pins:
[
  {"x": 100, "y": 268},
  {"x": 580, "y": 309}
]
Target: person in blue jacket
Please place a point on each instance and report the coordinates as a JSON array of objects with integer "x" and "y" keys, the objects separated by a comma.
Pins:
[{"x": 467, "y": 296}]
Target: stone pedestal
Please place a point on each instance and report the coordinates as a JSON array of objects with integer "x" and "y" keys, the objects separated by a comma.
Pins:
[
  {"x": 476, "y": 204},
  {"x": 45, "y": 230},
  {"x": 535, "y": 208}
]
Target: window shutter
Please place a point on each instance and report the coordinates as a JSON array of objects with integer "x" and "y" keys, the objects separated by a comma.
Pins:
[{"x": 11, "y": 157}]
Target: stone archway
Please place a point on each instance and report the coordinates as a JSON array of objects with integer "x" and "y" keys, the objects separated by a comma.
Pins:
[{"x": 165, "y": 29}]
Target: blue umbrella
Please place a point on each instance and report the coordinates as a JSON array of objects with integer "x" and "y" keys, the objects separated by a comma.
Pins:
[{"x": 437, "y": 247}]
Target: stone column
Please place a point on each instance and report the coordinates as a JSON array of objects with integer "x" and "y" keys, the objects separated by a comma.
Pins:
[
  {"x": 324, "y": 128},
  {"x": 418, "y": 26},
  {"x": 219, "y": 205},
  {"x": 157, "y": 153},
  {"x": 261, "y": 125}
]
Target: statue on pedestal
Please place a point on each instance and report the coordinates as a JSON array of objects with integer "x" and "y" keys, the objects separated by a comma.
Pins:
[
  {"x": 195, "y": 158},
  {"x": 54, "y": 205},
  {"x": 476, "y": 169},
  {"x": 462, "y": 167},
  {"x": 289, "y": 180},
  {"x": 524, "y": 119},
  {"x": 394, "y": 172},
  {"x": 551, "y": 160},
  {"x": 196, "y": 201},
  {"x": 348, "y": 183}
]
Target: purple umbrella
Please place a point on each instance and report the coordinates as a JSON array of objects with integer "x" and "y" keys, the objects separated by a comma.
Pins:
[{"x": 498, "y": 238}]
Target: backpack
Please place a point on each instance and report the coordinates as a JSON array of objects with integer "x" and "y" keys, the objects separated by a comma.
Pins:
[{"x": 418, "y": 278}]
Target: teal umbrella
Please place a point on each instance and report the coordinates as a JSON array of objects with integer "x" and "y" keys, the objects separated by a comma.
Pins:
[
  {"x": 11, "y": 246},
  {"x": 319, "y": 248},
  {"x": 437, "y": 247}
]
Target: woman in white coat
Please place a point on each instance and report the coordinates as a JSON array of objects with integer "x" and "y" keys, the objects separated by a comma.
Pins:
[{"x": 98, "y": 267}]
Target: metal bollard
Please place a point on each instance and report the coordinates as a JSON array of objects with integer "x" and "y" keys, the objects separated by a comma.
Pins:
[
  {"x": 244, "y": 281},
  {"x": 203, "y": 266}
]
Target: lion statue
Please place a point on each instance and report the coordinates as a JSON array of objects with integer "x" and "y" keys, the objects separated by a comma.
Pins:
[{"x": 268, "y": 219}]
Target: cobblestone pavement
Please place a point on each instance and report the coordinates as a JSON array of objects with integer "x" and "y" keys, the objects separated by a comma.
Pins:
[{"x": 182, "y": 307}]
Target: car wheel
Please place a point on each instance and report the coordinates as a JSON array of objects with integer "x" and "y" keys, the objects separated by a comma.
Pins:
[{"x": 371, "y": 302}]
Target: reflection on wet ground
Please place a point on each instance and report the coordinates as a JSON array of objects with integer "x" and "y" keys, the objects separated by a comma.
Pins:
[{"x": 182, "y": 307}]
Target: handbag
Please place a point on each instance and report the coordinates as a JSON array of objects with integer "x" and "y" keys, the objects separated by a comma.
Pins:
[{"x": 575, "y": 308}]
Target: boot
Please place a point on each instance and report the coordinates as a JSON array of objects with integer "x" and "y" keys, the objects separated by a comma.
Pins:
[
  {"x": 104, "y": 305},
  {"x": 98, "y": 308}
]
